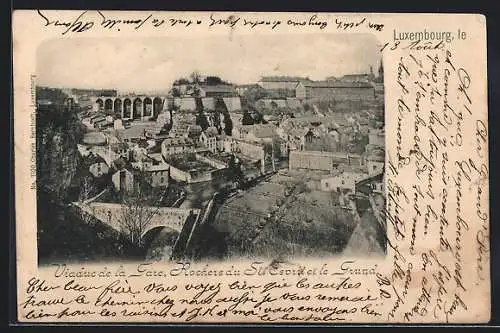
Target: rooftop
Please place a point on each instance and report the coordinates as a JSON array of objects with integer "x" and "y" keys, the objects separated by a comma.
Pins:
[
  {"x": 336, "y": 84},
  {"x": 179, "y": 141},
  {"x": 355, "y": 75},
  {"x": 283, "y": 79}
]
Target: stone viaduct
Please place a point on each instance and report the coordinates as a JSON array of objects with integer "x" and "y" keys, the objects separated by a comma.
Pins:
[{"x": 132, "y": 107}]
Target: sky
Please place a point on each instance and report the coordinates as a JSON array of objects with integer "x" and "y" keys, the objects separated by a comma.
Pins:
[{"x": 152, "y": 64}]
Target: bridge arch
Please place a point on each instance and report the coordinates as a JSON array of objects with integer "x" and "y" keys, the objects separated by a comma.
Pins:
[
  {"x": 127, "y": 108},
  {"x": 150, "y": 234},
  {"x": 169, "y": 236},
  {"x": 148, "y": 107},
  {"x": 157, "y": 106},
  {"x": 118, "y": 107},
  {"x": 137, "y": 108},
  {"x": 108, "y": 105}
]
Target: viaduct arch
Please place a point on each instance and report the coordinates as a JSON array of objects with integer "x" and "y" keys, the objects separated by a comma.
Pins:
[{"x": 132, "y": 107}]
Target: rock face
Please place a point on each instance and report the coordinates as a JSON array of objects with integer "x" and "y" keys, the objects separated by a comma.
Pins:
[{"x": 58, "y": 133}]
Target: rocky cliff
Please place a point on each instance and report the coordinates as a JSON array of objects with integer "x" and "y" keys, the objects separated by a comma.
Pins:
[{"x": 58, "y": 132}]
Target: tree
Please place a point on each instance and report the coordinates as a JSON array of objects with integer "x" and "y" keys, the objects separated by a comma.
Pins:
[
  {"x": 258, "y": 118},
  {"x": 235, "y": 172},
  {"x": 202, "y": 121},
  {"x": 228, "y": 124},
  {"x": 136, "y": 214},
  {"x": 247, "y": 118},
  {"x": 181, "y": 81},
  {"x": 214, "y": 80},
  {"x": 176, "y": 92},
  {"x": 195, "y": 77}
]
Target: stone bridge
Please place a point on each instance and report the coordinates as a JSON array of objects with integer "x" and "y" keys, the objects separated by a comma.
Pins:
[
  {"x": 132, "y": 107},
  {"x": 111, "y": 214}
]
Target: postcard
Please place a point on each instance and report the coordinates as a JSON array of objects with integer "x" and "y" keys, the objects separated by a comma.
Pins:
[{"x": 251, "y": 168}]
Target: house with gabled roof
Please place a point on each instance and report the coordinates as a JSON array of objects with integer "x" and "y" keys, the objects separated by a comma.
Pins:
[{"x": 208, "y": 138}]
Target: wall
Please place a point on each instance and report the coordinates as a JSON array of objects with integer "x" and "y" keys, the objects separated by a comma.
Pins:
[
  {"x": 293, "y": 103},
  {"x": 204, "y": 176},
  {"x": 129, "y": 181},
  {"x": 310, "y": 160},
  {"x": 179, "y": 175},
  {"x": 213, "y": 163},
  {"x": 185, "y": 103},
  {"x": 232, "y": 103},
  {"x": 208, "y": 103}
]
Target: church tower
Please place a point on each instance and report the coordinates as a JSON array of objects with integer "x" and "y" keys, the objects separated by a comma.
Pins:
[
  {"x": 381, "y": 72},
  {"x": 371, "y": 76}
]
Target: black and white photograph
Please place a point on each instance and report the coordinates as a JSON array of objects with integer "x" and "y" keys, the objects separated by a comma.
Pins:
[{"x": 210, "y": 149}]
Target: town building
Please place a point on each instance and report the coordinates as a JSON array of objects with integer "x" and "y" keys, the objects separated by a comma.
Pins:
[
  {"x": 345, "y": 181},
  {"x": 335, "y": 91},
  {"x": 318, "y": 160},
  {"x": 123, "y": 180},
  {"x": 208, "y": 139},
  {"x": 178, "y": 145},
  {"x": 364, "y": 77},
  {"x": 194, "y": 132},
  {"x": 243, "y": 88},
  {"x": 157, "y": 175},
  {"x": 179, "y": 130},
  {"x": 280, "y": 82},
  {"x": 118, "y": 124},
  {"x": 229, "y": 144},
  {"x": 195, "y": 168},
  {"x": 252, "y": 151},
  {"x": 255, "y": 133},
  {"x": 219, "y": 90},
  {"x": 376, "y": 137},
  {"x": 375, "y": 162},
  {"x": 163, "y": 118}
]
